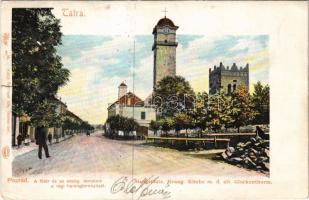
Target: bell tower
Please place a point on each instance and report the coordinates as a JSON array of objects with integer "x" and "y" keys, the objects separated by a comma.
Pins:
[
  {"x": 122, "y": 90},
  {"x": 164, "y": 50}
]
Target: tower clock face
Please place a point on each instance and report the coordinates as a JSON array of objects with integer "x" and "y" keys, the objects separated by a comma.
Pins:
[{"x": 165, "y": 30}]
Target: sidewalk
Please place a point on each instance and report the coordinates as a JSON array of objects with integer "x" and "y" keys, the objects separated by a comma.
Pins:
[{"x": 32, "y": 146}]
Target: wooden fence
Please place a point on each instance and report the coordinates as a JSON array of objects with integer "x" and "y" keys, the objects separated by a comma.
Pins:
[{"x": 212, "y": 137}]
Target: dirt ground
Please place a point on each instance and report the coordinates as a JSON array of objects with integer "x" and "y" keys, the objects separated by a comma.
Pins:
[{"x": 97, "y": 154}]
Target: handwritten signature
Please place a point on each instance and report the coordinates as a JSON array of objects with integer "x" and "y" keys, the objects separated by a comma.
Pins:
[{"x": 144, "y": 188}]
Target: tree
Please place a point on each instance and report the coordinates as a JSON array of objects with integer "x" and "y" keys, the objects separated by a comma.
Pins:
[
  {"x": 218, "y": 111},
  {"x": 37, "y": 69},
  {"x": 120, "y": 123},
  {"x": 241, "y": 112},
  {"x": 154, "y": 126},
  {"x": 173, "y": 94},
  {"x": 116, "y": 123},
  {"x": 167, "y": 124},
  {"x": 182, "y": 121},
  {"x": 199, "y": 112},
  {"x": 260, "y": 103},
  {"x": 44, "y": 115},
  {"x": 129, "y": 125},
  {"x": 67, "y": 124},
  {"x": 85, "y": 126}
]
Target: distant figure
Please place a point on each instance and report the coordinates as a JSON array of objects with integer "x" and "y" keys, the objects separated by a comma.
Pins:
[
  {"x": 261, "y": 134},
  {"x": 40, "y": 137},
  {"x": 88, "y": 133},
  {"x": 19, "y": 140},
  {"x": 50, "y": 137}
]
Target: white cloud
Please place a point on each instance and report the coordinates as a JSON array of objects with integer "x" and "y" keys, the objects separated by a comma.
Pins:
[{"x": 247, "y": 43}]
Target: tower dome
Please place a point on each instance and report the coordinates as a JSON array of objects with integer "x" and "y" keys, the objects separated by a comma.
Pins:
[{"x": 165, "y": 21}]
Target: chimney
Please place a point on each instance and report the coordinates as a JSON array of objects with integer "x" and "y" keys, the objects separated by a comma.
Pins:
[{"x": 122, "y": 90}]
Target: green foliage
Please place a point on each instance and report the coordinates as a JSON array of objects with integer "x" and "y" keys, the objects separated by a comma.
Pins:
[
  {"x": 199, "y": 111},
  {"x": 85, "y": 126},
  {"x": 115, "y": 122},
  {"x": 154, "y": 126},
  {"x": 120, "y": 123},
  {"x": 57, "y": 122},
  {"x": 37, "y": 69},
  {"x": 241, "y": 112},
  {"x": 44, "y": 115},
  {"x": 218, "y": 111},
  {"x": 129, "y": 125},
  {"x": 69, "y": 124},
  {"x": 182, "y": 121},
  {"x": 167, "y": 124},
  {"x": 173, "y": 94},
  {"x": 260, "y": 104}
]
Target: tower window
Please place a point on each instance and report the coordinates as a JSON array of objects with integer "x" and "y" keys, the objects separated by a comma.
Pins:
[
  {"x": 234, "y": 80},
  {"x": 234, "y": 87},
  {"x": 143, "y": 115}
]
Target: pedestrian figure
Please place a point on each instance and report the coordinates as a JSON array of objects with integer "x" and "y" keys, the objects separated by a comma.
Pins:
[
  {"x": 50, "y": 138},
  {"x": 40, "y": 137},
  {"x": 19, "y": 140}
]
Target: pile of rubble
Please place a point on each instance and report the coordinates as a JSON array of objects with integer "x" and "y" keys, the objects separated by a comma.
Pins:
[{"x": 253, "y": 154}]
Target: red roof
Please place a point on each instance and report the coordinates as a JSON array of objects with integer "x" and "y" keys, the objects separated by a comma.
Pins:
[
  {"x": 165, "y": 21},
  {"x": 129, "y": 99}
]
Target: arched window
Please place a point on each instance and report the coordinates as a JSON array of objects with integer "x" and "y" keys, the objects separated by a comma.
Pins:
[
  {"x": 234, "y": 87},
  {"x": 229, "y": 89}
]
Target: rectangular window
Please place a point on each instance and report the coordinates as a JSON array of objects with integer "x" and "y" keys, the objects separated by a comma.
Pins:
[{"x": 143, "y": 115}]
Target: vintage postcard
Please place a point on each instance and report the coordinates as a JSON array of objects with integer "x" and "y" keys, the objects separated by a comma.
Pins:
[{"x": 154, "y": 100}]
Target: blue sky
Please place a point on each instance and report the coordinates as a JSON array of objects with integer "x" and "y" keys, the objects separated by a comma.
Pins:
[{"x": 98, "y": 64}]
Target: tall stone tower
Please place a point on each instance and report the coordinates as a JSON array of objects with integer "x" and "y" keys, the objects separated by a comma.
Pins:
[
  {"x": 164, "y": 49},
  {"x": 228, "y": 79}
]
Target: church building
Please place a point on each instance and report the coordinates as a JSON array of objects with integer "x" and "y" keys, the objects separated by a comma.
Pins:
[
  {"x": 164, "y": 49},
  {"x": 228, "y": 79},
  {"x": 131, "y": 106}
]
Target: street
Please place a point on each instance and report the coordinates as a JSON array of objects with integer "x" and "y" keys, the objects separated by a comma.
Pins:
[{"x": 96, "y": 154}]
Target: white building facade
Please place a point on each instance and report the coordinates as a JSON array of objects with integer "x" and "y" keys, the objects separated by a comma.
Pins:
[{"x": 130, "y": 106}]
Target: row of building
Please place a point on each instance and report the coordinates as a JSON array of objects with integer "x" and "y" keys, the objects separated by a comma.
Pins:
[{"x": 21, "y": 125}]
